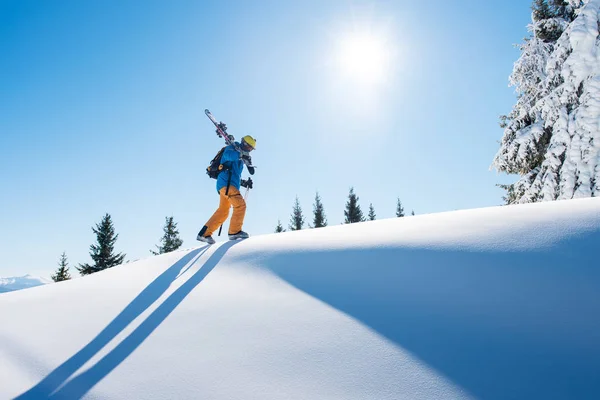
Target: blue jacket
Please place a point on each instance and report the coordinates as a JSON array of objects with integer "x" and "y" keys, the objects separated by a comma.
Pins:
[{"x": 232, "y": 162}]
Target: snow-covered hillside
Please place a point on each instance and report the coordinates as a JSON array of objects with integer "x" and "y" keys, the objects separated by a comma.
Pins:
[
  {"x": 492, "y": 303},
  {"x": 21, "y": 282}
]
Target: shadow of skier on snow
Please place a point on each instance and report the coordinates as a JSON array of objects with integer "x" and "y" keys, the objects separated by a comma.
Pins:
[
  {"x": 499, "y": 324},
  {"x": 81, "y": 384}
]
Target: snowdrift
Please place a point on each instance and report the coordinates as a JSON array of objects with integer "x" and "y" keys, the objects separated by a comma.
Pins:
[{"x": 492, "y": 303}]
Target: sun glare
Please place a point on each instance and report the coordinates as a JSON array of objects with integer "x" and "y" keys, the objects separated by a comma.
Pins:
[{"x": 364, "y": 58}]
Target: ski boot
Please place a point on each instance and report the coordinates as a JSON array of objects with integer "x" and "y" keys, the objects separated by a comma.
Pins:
[
  {"x": 202, "y": 238},
  {"x": 239, "y": 235},
  {"x": 206, "y": 239}
]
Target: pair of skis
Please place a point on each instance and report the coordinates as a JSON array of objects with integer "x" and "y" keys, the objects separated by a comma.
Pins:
[{"x": 230, "y": 140}]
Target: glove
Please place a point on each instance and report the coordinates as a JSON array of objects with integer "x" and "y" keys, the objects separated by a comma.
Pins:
[
  {"x": 251, "y": 170},
  {"x": 247, "y": 159},
  {"x": 246, "y": 183}
]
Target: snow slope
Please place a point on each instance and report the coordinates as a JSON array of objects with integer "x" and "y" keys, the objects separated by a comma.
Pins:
[
  {"x": 496, "y": 303},
  {"x": 21, "y": 282}
]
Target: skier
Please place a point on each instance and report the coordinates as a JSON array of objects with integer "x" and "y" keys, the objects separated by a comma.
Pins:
[{"x": 228, "y": 187}]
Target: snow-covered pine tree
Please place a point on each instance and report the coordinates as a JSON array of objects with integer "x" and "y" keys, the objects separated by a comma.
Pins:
[
  {"x": 319, "y": 219},
  {"x": 62, "y": 273},
  {"x": 399, "y": 208},
  {"x": 549, "y": 19},
  {"x": 103, "y": 253},
  {"x": 566, "y": 9},
  {"x": 170, "y": 240},
  {"x": 353, "y": 212},
  {"x": 525, "y": 140},
  {"x": 297, "y": 218},
  {"x": 372, "y": 215},
  {"x": 279, "y": 227},
  {"x": 551, "y": 137}
]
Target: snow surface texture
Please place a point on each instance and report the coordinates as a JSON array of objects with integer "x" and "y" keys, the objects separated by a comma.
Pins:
[
  {"x": 492, "y": 303},
  {"x": 20, "y": 282},
  {"x": 559, "y": 96}
]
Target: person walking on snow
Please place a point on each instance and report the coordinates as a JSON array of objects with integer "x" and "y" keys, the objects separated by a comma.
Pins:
[{"x": 228, "y": 187}]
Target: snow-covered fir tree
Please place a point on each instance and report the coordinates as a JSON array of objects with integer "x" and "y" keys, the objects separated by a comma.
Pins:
[
  {"x": 319, "y": 219},
  {"x": 353, "y": 212},
  {"x": 552, "y": 136},
  {"x": 372, "y": 215},
  {"x": 279, "y": 227},
  {"x": 170, "y": 240},
  {"x": 103, "y": 253},
  {"x": 525, "y": 139},
  {"x": 62, "y": 273},
  {"x": 399, "y": 208},
  {"x": 297, "y": 218}
]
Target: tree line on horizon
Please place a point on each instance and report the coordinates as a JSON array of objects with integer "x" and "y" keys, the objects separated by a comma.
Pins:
[
  {"x": 104, "y": 256},
  {"x": 352, "y": 213},
  {"x": 103, "y": 251}
]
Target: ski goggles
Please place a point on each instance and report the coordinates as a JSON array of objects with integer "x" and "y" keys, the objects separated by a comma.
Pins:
[{"x": 246, "y": 146}]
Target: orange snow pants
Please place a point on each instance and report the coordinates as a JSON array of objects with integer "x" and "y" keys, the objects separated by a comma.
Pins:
[{"x": 235, "y": 199}]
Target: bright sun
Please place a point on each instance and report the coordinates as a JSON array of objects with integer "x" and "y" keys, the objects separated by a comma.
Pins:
[{"x": 364, "y": 58}]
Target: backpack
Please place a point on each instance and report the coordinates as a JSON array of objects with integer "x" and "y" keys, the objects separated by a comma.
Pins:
[{"x": 215, "y": 167}]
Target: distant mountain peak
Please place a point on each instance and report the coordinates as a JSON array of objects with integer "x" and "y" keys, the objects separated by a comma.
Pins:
[{"x": 21, "y": 282}]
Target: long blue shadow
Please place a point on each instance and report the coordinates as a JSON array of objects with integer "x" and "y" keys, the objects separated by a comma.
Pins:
[
  {"x": 81, "y": 384},
  {"x": 501, "y": 325},
  {"x": 145, "y": 299}
]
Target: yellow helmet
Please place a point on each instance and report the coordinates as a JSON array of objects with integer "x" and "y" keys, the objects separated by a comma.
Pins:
[{"x": 250, "y": 141}]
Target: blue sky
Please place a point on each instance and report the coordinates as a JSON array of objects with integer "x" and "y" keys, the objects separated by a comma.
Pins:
[{"x": 101, "y": 111}]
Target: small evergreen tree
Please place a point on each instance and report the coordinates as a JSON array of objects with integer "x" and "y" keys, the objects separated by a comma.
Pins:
[
  {"x": 62, "y": 273},
  {"x": 371, "y": 212},
  {"x": 103, "y": 252},
  {"x": 319, "y": 219},
  {"x": 412, "y": 212},
  {"x": 297, "y": 219},
  {"x": 353, "y": 212},
  {"x": 399, "y": 209},
  {"x": 170, "y": 240},
  {"x": 279, "y": 227}
]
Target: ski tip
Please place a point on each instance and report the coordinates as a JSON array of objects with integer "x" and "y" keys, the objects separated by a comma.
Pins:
[{"x": 206, "y": 111}]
